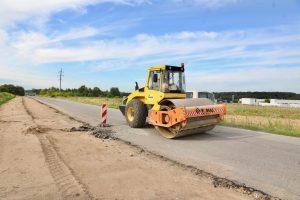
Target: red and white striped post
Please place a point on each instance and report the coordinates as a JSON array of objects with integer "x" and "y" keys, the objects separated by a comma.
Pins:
[{"x": 103, "y": 114}]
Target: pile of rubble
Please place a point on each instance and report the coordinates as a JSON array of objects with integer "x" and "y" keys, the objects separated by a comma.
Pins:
[{"x": 98, "y": 131}]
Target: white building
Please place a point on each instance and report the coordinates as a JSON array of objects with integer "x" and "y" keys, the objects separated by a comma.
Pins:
[
  {"x": 273, "y": 102},
  {"x": 248, "y": 101},
  {"x": 287, "y": 103},
  {"x": 258, "y": 101}
]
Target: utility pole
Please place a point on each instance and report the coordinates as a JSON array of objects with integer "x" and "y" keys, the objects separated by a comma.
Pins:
[{"x": 60, "y": 75}]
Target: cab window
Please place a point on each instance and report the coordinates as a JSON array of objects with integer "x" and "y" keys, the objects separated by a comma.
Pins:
[
  {"x": 173, "y": 81},
  {"x": 154, "y": 80}
]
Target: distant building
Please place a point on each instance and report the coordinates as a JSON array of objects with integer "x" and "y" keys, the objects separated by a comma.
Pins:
[
  {"x": 258, "y": 101},
  {"x": 287, "y": 103},
  {"x": 273, "y": 102},
  {"x": 197, "y": 94},
  {"x": 248, "y": 101}
]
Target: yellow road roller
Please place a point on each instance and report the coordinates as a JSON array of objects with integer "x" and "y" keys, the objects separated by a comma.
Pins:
[{"x": 163, "y": 101}]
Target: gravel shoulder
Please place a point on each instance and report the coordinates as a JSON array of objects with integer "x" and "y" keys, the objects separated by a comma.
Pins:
[{"x": 41, "y": 159}]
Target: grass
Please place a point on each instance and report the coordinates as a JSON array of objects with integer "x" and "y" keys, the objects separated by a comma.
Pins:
[
  {"x": 263, "y": 111},
  {"x": 4, "y": 97},
  {"x": 278, "y": 120},
  {"x": 111, "y": 102}
]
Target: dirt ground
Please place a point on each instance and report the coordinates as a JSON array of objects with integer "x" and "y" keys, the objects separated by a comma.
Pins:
[{"x": 41, "y": 159}]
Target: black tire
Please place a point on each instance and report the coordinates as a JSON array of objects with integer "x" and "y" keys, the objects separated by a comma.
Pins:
[{"x": 136, "y": 118}]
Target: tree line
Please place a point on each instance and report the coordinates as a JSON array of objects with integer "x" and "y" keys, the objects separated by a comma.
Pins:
[
  {"x": 257, "y": 95},
  {"x": 16, "y": 90},
  {"x": 81, "y": 91},
  {"x": 115, "y": 92}
]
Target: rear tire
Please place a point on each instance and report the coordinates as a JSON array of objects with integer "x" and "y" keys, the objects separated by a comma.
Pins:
[{"x": 136, "y": 113}]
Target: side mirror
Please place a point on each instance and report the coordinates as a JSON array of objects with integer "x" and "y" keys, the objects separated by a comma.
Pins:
[{"x": 155, "y": 78}]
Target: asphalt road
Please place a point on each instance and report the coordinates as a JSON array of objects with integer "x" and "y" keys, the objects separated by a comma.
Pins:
[{"x": 264, "y": 161}]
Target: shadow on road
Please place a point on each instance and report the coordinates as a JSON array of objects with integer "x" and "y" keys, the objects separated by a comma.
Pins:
[{"x": 215, "y": 136}]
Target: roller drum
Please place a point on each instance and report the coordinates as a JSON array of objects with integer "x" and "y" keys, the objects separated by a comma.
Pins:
[{"x": 194, "y": 125}]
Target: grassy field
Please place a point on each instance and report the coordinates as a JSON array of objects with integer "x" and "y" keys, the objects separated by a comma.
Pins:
[
  {"x": 4, "y": 97},
  {"x": 278, "y": 120},
  {"x": 111, "y": 102}
]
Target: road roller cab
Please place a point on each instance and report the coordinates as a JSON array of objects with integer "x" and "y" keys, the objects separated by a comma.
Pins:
[
  {"x": 162, "y": 82},
  {"x": 163, "y": 101}
]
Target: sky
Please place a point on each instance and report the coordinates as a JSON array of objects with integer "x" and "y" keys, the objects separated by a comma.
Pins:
[{"x": 226, "y": 45}]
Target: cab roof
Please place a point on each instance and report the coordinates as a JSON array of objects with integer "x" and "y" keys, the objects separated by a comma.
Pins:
[{"x": 166, "y": 67}]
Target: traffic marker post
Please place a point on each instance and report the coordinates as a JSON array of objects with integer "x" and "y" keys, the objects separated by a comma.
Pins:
[{"x": 103, "y": 115}]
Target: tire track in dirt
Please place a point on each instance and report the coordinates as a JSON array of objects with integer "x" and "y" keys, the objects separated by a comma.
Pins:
[
  {"x": 67, "y": 183},
  {"x": 2, "y": 129},
  {"x": 1, "y": 145},
  {"x": 27, "y": 110}
]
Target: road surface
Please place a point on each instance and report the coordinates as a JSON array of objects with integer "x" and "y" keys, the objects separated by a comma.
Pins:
[{"x": 267, "y": 162}]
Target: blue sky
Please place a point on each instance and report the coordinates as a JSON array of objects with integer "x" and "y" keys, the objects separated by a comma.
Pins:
[{"x": 227, "y": 45}]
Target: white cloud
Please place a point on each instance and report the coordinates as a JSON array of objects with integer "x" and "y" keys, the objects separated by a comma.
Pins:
[
  {"x": 19, "y": 10},
  {"x": 37, "y": 11},
  {"x": 3, "y": 37},
  {"x": 192, "y": 35},
  {"x": 77, "y": 34},
  {"x": 207, "y": 3},
  {"x": 253, "y": 79},
  {"x": 27, "y": 80},
  {"x": 194, "y": 46}
]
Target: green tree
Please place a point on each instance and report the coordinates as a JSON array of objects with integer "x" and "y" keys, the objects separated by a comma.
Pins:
[
  {"x": 20, "y": 91},
  {"x": 16, "y": 90},
  {"x": 43, "y": 92},
  {"x": 90, "y": 92},
  {"x": 114, "y": 91},
  {"x": 83, "y": 91},
  {"x": 96, "y": 92}
]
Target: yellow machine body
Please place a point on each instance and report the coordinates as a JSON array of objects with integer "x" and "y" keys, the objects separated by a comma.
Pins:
[{"x": 170, "y": 112}]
